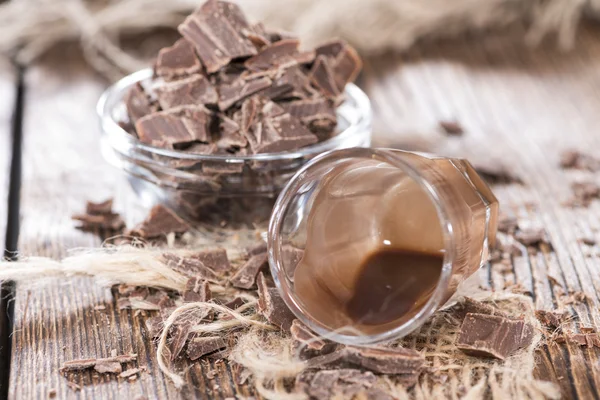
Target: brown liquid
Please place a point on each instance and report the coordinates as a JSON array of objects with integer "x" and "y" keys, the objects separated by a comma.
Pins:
[{"x": 391, "y": 283}]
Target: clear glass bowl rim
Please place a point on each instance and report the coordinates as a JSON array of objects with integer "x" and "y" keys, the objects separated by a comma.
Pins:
[
  {"x": 113, "y": 95},
  {"x": 275, "y": 248}
]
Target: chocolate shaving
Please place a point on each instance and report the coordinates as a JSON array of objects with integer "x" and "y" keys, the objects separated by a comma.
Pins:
[
  {"x": 160, "y": 221},
  {"x": 214, "y": 259},
  {"x": 177, "y": 61},
  {"x": 272, "y": 306},
  {"x": 215, "y": 31},
  {"x": 452, "y": 128},
  {"x": 104, "y": 364},
  {"x": 385, "y": 360},
  {"x": 493, "y": 336},
  {"x": 175, "y": 127},
  {"x": 190, "y": 91},
  {"x": 245, "y": 277},
  {"x": 201, "y": 346}
]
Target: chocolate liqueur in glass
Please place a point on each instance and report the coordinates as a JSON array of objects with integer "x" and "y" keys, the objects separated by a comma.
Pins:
[{"x": 365, "y": 244}]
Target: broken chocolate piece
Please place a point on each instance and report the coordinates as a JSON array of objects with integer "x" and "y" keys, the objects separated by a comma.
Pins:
[
  {"x": 235, "y": 303},
  {"x": 472, "y": 306},
  {"x": 214, "y": 259},
  {"x": 531, "y": 236},
  {"x": 183, "y": 329},
  {"x": 496, "y": 172},
  {"x": 99, "y": 216},
  {"x": 245, "y": 277},
  {"x": 493, "y": 336},
  {"x": 191, "y": 91},
  {"x": 550, "y": 319},
  {"x": 272, "y": 306},
  {"x": 311, "y": 110},
  {"x": 346, "y": 67},
  {"x": 452, "y": 128},
  {"x": 177, "y": 61},
  {"x": 175, "y": 127},
  {"x": 273, "y": 55},
  {"x": 573, "y": 159},
  {"x": 229, "y": 134},
  {"x": 331, "y": 48},
  {"x": 105, "y": 363},
  {"x": 215, "y": 31},
  {"x": 154, "y": 326},
  {"x": 138, "y": 103},
  {"x": 190, "y": 267},
  {"x": 322, "y": 76},
  {"x": 229, "y": 94},
  {"x": 159, "y": 222},
  {"x": 104, "y": 207},
  {"x": 307, "y": 343},
  {"x": 201, "y": 346},
  {"x": 108, "y": 367},
  {"x": 196, "y": 290},
  {"x": 385, "y": 360}
]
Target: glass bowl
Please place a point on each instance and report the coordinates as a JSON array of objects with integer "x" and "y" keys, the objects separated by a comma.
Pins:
[{"x": 217, "y": 188}]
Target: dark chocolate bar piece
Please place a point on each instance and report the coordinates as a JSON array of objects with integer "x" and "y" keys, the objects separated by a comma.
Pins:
[
  {"x": 177, "y": 61},
  {"x": 99, "y": 216},
  {"x": 310, "y": 110},
  {"x": 183, "y": 329},
  {"x": 229, "y": 134},
  {"x": 245, "y": 277},
  {"x": 214, "y": 259},
  {"x": 273, "y": 55},
  {"x": 346, "y": 67},
  {"x": 196, "y": 290},
  {"x": 215, "y": 31},
  {"x": 385, "y": 360},
  {"x": 160, "y": 221},
  {"x": 190, "y": 91},
  {"x": 323, "y": 77},
  {"x": 103, "y": 207},
  {"x": 256, "y": 249},
  {"x": 229, "y": 94},
  {"x": 307, "y": 343},
  {"x": 138, "y": 103},
  {"x": 201, "y": 346},
  {"x": 469, "y": 305},
  {"x": 177, "y": 126},
  {"x": 190, "y": 267},
  {"x": 493, "y": 336},
  {"x": 278, "y": 134},
  {"x": 272, "y": 306}
]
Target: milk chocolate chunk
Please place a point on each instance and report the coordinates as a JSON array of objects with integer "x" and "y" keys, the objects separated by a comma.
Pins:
[
  {"x": 196, "y": 290},
  {"x": 281, "y": 133},
  {"x": 177, "y": 126},
  {"x": 183, "y": 329},
  {"x": 259, "y": 248},
  {"x": 159, "y": 222},
  {"x": 99, "y": 216},
  {"x": 310, "y": 110},
  {"x": 493, "y": 336},
  {"x": 346, "y": 67},
  {"x": 177, "y": 61},
  {"x": 201, "y": 346},
  {"x": 245, "y": 277},
  {"x": 273, "y": 54},
  {"x": 221, "y": 168},
  {"x": 190, "y": 267},
  {"x": 193, "y": 90},
  {"x": 531, "y": 236},
  {"x": 385, "y": 360},
  {"x": 229, "y": 94},
  {"x": 138, "y": 103},
  {"x": 289, "y": 84},
  {"x": 331, "y": 48},
  {"x": 230, "y": 135},
  {"x": 272, "y": 306},
  {"x": 214, "y": 30},
  {"x": 214, "y": 259},
  {"x": 322, "y": 76}
]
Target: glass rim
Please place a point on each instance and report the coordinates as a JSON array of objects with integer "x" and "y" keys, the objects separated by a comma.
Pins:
[
  {"x": 275, "y": 247},
  {"x": 114, "y": 95}
]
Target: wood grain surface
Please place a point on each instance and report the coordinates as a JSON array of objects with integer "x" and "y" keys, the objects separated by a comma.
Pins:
[{"x": 519, "y": 108}]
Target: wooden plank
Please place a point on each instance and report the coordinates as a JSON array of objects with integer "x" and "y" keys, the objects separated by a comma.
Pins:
[
  {"x": 63, "y": 168},
  {"x": 526, "y": 106}
]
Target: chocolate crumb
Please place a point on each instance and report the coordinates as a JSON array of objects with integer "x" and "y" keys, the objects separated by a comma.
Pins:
[
  {"x": 452, "y": 128},
  {"x": 196, "y": 290},
  {"x": 99, "y": 216},
  {"x": 588, "y": 240},
  {"x": 493, "y": 336},
  {"x": 272, "y": 306},
  {"x": 495, "y": 172}
]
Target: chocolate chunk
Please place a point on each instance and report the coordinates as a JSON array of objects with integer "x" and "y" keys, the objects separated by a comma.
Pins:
[
  {"x": 273, "y": 55},
  {"x": 191, "y": 91},
  {"x": 229, "y": 94},
  {"x": 177, "y": 126},
  {"x": 289, "y": 84},
  {"x": 108, "y": 367},
  {"x": 507, "y": 223},
  {"x": 322, "y": 76},
  {"x": 177, "y": 61},
  {"x": 584, "y": 193},
  {"x": 573, "y": 159},
  {"x": 196, "y": 290},
  {"x": 452, "y": 128},
  {"x": 330, "y": 49},
  {"x": 105, "y": 363},
  {"x": 245, "y": 277},
  {"x": 472, "y": 306},
  {"x": 341, "y": 383},
  {"x": 160, "y": 221},
  {"x": 259, "y": 248},
  {"x": 586, "y": 328},
  {"x": 112, "y": 222},
  {"x": 272, "y": 306},
  {"x": 307, "y": 343},
  {"x": 154, "y": 326},
  {"x": 346, "y": 67},
  {"x": 235, "y": 303},
  {"x": 201, "y": 346},
  {"x": 214, "y": 259},
  {"x": 531, "y": 236},
  {"x": 215, "y": 31},
  {"x": 138, "y": 103},
  {"x": 311, "y": 110},
  {"x": 104, "y": 207},
  {"x": 385, "y": 360},
  {"x": 291, "y": 257},
  {"x": 190, "y": 267},
  {"x": 278, "y": 134},
  {"x": 183, "y": 329},
  {"x": 257, "y": 37},
  {"x": 493, "y": 336}
]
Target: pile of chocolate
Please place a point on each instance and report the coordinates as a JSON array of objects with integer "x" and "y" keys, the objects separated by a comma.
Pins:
[{"x": 231, "y": 87}]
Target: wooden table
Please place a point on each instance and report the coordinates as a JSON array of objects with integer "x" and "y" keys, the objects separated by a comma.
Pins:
[{"x": 517, "y": 105}]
